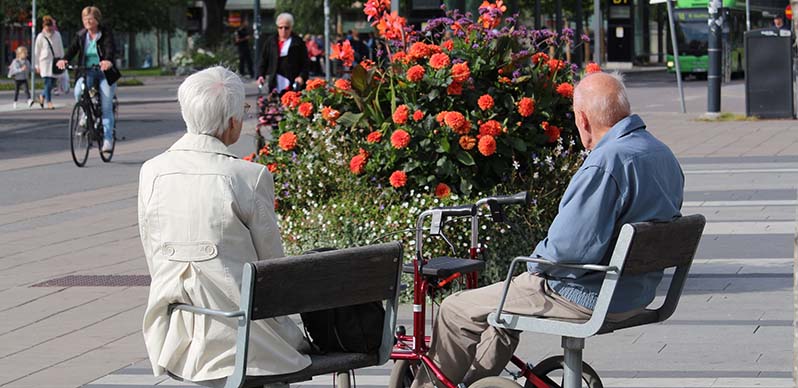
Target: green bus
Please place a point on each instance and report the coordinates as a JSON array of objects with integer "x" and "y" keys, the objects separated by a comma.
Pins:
[{"x": 692, "y": 31}]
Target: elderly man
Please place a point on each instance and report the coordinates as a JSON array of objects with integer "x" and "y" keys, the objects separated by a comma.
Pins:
[
  {"x": 202, "y": 214},
  {"x": 629, "y": 176}
]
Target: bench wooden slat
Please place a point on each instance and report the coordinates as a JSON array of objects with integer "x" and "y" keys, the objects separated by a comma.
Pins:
[
  {"x": 330, "y": 279},
  {"x": 657, "y": 246}
]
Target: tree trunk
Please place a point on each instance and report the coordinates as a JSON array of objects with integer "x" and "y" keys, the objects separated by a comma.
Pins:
[
  {"x": 132, "y": 58},
  {"x": 214, "y": 15}
]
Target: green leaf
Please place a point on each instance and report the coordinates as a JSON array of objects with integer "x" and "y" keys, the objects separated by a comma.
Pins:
[
  {"x": 444, "y": 145},
  {"x": 518, "y": 144},
  {"x": 350, "y": 119},
  {"x": 433, "y": 94},
  {"x": 465, "y": 158},
  {"x": 360, "y": 79}
]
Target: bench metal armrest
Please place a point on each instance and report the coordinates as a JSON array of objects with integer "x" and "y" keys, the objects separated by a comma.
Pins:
[
  {"x": 205, "y": 311},
  {"x": 587, "y": 267}
]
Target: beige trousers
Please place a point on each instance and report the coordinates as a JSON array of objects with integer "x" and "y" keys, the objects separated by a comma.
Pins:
[{"x": 467, "y": 348}]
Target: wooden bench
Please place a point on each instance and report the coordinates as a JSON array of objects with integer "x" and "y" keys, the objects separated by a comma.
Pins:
[
  {"x": 311, "y": 282},
  {"x": 641, "y": 248}
]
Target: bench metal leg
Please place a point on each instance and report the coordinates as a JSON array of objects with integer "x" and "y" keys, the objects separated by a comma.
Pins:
[{"x": 572, "y": 370}]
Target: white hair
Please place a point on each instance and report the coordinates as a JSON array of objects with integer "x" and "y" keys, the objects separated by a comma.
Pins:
[
  {"x": 606, "y": 106},
  {"x": 287, "y": 17},
  {"x": 209, "y": 98}
]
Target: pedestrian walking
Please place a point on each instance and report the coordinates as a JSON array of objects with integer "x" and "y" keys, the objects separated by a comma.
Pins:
[
  {"x": 242, "y": 40},
  {"x": 284, "y": 60},
  {"x": 49, "y": 47},
  {"x": 18, "y": 70}
]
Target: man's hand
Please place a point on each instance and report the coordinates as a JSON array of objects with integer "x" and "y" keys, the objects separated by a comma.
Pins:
[
  {"x": 260, "y": 81},
  {"x": 105, "y": 65},
  {"x": 299, "y": 80},
  {"x": 61, "y": 64}
]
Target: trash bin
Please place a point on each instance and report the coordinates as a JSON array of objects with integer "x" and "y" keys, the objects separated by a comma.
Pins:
[{"x": 768, "y": 74}]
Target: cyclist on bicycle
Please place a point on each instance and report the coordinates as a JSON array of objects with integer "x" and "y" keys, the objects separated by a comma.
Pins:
[
  {"x": 96, "y": 51},
  {"x": 629, "y": 176}
]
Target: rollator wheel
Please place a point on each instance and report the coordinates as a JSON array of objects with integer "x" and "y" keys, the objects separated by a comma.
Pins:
[
  {"x": 495, "y": 382},
  {"x": 403, "y": 373},
  {"x": 550, "y": 370}
]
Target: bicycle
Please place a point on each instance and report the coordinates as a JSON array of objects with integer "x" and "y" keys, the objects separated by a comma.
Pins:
[
  {"x": 86, "y": 125},
  {"x": 410, "y": 353}
]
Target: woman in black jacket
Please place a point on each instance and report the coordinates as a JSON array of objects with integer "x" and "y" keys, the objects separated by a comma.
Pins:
[
  {"x": 96, "y": 52},
  {"x": 284, "y": 57}
]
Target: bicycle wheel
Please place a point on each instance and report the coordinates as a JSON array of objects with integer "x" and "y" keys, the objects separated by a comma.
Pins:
[
  {"x": 495, "y": 382},
  {"x": 550, "y": 370},
  {"x": 79, "y": 135},
  {"x": 403, "y": 373}
]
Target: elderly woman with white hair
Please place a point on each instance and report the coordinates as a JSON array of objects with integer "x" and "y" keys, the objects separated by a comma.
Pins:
[
  {"x": 202, "y": 214},
  {"x": 284, "y": 60}
]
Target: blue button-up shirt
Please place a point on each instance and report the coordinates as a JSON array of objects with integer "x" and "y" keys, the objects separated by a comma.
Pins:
[{"x": 630, "y": 176}]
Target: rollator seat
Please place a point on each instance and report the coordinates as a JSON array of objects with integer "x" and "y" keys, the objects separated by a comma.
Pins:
[{"x": 445, "y": 266}]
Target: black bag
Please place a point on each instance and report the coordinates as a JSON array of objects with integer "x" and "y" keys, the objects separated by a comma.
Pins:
[
  {"x": 53, "y": 67},
  {"x": 112, "y": 75},
  {"x": 349, "y": 329}
]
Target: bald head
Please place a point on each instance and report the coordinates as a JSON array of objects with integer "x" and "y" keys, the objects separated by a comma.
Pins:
[{"x": 599, "y": 103}]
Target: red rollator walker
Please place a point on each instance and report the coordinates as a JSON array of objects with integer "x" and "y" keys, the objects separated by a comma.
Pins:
[{"x": 430, "y": 274}]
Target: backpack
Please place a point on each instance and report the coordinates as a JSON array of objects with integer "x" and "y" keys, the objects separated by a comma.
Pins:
[{"x": 348, "y": 329}]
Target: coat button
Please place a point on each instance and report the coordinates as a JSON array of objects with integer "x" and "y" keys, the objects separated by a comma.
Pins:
[
  {"x": 209, "y": 249},
  {"x": 170, "y": 251}
]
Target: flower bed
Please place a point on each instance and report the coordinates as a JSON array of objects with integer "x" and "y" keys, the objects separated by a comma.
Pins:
[{"x": 457, "y": 111}]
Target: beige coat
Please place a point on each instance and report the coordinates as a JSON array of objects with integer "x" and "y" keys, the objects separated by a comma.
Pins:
[
  {"x": 44, "y": 57},
  {"x": 203, "y": 213}
]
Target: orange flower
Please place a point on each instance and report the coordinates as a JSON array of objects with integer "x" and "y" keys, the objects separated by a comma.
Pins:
[
  {"x": 249, "y": 157},
  {"x": 440, "y": 117},
  {"x": 344, "y": 52},
  {"x": 374, "y": 8},
  {"x": 505, "y": 80},
  {"x": 448, "y": 45},
  {"x": 467, "y": 142},
  {"x": 367, "y": 64},
  {"x": 592, "y": 68},
  {"x": 398, "y": 179},
  {"x": 400, "y": 139},
  {"x": 374, "y": 137},
  {"x": 461, "y": 72},
  {"x": 290, "y": 99},
  {"x": 490, "y": 127},
  {"x": 457, "y": 122},
  {"x": 439, "y": 61},
  {"x": 272, "y": 167},
  {"x": 526, "y": 106},
  {"x": 415, "y": 73},
  {"x": 400, "y": 114},
  {"x": 552, "y": 132},
  {"x": 491, "y": 20},
  {"x": 358, "y": 164},
  {"x": 305, "y": 109},
  {"x": 454, "y": 89},
  {"x": 540, "y": 57},
  {"x": 330, "y": 114},
  {"x": 343, "y": 84},
  {"x": 442, "y": 190},
  {"x": 419, "y": 50},
  {"x": 315, "y": 84},
  {"x": 485, "y": 102},
  {"x": 487, "y": 145},
  {"x": 390, "y": 26},
  {"x": 556, "y": 65},
  {"x": 566, "y": 90},
  {"x": 287, "y": 141},
  {"x": 264, "y": 150},
  {"x": 418, "y": 115},
  {"x": 400, "y": 56}
]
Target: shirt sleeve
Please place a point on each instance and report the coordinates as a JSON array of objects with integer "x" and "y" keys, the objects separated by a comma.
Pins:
[
  {"x": 263, "y": 222},
  {"x": 584, "y": 227}
]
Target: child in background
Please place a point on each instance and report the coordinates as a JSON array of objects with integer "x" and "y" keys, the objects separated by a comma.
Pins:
[{"x": 18, "y": 70}]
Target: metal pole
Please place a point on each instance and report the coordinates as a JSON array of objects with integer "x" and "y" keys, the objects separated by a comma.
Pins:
[
  {"x": 713, "y": 73},
  {"x": 578, "y": 57},
  {"x": 537, "y": 15},
  {"x": 558, "y": 16},
  {"x": 747, "y": 15},
  {"x": 256, "y": 26},
  {"x": 327, "y": 50},
  {"x": 597, "y": 31},
  {"x": 33, "y": 52},
  {"x": 676, "y": 54}
]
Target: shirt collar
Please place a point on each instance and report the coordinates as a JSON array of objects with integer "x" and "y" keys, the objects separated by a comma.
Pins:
[
  {"x": 201, "y": 143},
  {"x": 622, "y": 128}
]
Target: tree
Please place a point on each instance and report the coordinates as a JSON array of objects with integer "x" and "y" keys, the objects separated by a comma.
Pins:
[
  {"x": 214, "y": 10},
  {"x": 127, "y": 16},
  {"x": 306, "y": 13}
]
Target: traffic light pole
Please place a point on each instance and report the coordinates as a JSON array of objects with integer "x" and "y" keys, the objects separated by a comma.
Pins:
[{"x": 715, "y": 57}]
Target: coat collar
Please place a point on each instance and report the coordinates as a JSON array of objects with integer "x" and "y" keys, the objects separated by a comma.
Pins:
[
  {"x": 201, "y": 143},
  {"x": 622, "y": 128}
]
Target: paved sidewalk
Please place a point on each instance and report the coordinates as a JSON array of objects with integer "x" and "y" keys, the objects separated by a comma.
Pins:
[{"x": 732, "y": 329}]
